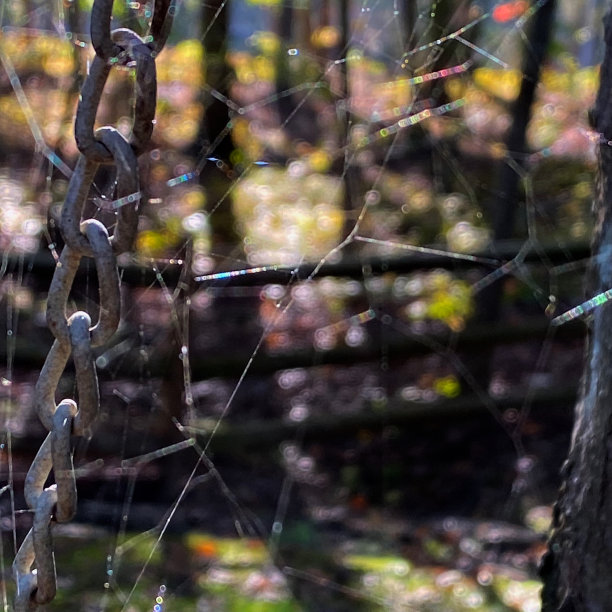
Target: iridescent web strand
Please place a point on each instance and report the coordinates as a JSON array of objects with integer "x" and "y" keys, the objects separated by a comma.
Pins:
[
  {"x": 232, "y": 273},
  {"x": 132, "y": 198},
  {"x": 443, "y": 39},
  {"x": 583, "y": 309},
  {"x": 358, "y": 319},
  {"x": 410, "y": 121},
  {"x": 438, "y": 74},
  {"x": 482, "y": 52},
  {"x": 183, "y": 178},
  {"x": 29, "y": 115},
  {"x": 429, "y": 251}
]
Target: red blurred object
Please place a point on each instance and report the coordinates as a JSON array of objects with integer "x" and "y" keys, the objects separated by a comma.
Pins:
[{"x": 509, "y": 10}]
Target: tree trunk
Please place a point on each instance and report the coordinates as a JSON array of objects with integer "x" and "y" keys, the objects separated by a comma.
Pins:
[
  {"x": 411, "y": 14},
  {"x": 576, "y": 567},
  {"x": 509, "y": 183},
  {"x": 219, "y": 76},
  {"x": 215, "y": 137},
  {"x": 505, "y": 204}
]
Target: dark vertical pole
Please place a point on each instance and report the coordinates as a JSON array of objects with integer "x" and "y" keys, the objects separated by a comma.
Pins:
[
  {"x": 509, "y": 182},
  {"x": 350, "y": 172},
  {"x": 218, "y": 77},
  {"x": 285, "y": 22},
  {"x": 214, "y": 135},
  {"x": 508, "y": 192},
  {"x": 410, "y": 11},
  {"x": 505, "y": 205},
  {"x": 214, "y": 139}
]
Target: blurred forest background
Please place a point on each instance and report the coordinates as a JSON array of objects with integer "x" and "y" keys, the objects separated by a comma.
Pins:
[{"x": 359, "y": 220}]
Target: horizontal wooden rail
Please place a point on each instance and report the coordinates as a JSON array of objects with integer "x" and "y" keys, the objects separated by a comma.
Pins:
[
  {"x": 264, "y": 432},
  {"x": 30, "y": 354},
  {"x": 143, "y": 274},
  {"x": 239, "y": 435}
]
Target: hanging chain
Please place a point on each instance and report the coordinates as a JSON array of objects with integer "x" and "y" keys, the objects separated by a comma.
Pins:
[{"x": 74, "y": 335}]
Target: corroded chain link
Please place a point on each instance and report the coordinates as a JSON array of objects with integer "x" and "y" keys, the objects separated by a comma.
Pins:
[{"x": 74, "y": 335}]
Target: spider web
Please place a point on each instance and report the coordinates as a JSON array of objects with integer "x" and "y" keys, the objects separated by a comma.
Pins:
[{"x": 336, "y": 384}]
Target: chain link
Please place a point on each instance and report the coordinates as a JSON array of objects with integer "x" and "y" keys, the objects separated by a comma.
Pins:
[{"x": 74, "y": 335}]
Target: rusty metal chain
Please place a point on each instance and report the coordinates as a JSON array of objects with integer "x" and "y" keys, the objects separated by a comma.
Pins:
[{"x": 74, "y": 335}]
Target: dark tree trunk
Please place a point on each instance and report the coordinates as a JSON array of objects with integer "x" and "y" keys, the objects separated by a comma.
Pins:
[
  {"x": 505, "y": 205},
  {"x": 350, "y": 173},
  {"x": 576, "y": 567},
  {"x": 214, "y": 135},
  {"x": 218, "y": 77},
  {"x": 285, "y": 103},
  {"x": 411, "y": 13},
  {"x": 509, "y": 189}
]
